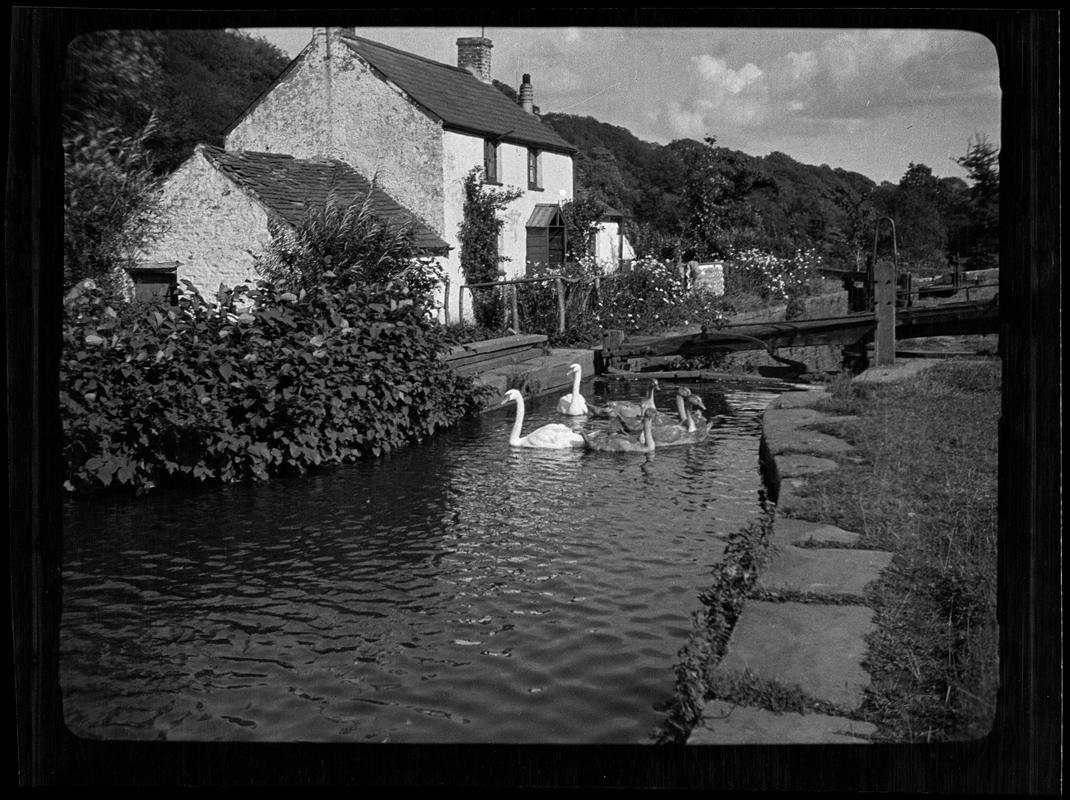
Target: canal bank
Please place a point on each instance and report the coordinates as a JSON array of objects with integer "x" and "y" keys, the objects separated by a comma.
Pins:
[{"x": 793, "y": 671}]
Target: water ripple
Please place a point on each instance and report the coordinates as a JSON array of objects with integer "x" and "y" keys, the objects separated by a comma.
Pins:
[{"x": 458, "y": 591}]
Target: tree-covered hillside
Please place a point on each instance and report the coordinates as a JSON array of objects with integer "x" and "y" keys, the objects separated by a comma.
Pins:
[{"x": 696, "y": 199}]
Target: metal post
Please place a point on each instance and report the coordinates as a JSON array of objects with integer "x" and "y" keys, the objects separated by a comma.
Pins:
[
  {"x": 560, "y": 284},
  {"x": 884, "y": 290}
]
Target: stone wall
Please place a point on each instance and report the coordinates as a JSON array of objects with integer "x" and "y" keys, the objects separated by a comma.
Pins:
[
  {"x": 208, "y": 226},
  {"x": 331, "y": 104}
]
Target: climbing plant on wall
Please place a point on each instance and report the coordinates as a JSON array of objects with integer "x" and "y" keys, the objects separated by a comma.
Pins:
[{"x": 479, "y": 230}]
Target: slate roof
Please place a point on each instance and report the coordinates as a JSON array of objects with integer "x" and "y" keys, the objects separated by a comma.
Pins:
[
  {"x": 458, "y": 98},
  {"x": 287, "y": 186}
]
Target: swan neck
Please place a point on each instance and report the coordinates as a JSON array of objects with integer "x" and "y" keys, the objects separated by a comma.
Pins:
[
  {"x": 691, "y": 426},
  {"x": 648, "y": 434},
  {"x": 518, "y": 423},
  {"x": 576, "y": 386},
  {"x": 681, "y": 410}
]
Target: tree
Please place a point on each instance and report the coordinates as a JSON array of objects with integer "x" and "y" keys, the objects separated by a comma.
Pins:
[
  {"x": 109, "y": 181},
  {"x": 981, "y": 163},
  {"x": 914, "y": 205},
  {"x": 582, "y": 217},
  {"x": 718, "y": 183},
  {"x": 206, "y": 80}
]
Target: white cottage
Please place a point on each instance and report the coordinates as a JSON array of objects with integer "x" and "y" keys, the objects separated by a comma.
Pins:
[{"x": 413, "y": 126}]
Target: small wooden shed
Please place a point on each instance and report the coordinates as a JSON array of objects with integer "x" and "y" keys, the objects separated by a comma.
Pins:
[{"x": 547, "y": 238}]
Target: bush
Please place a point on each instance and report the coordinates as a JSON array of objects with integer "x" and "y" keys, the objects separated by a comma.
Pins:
[
  {"x": 338, "y": 244},
  {"x": 263, "y": 382},
  {"x": 652, "y": 296},
  {"x": 771, "y": 278}
]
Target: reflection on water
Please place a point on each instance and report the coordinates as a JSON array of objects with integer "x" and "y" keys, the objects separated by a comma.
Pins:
[{"x": 456, "y": 591}]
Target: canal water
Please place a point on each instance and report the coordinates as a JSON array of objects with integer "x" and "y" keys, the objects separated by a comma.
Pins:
[{"x": 455, "y": 591}]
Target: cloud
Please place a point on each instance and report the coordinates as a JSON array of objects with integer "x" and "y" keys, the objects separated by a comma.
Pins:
[
  {"x": 717, "y": 73},
  {"x": 846, "y": 80}
]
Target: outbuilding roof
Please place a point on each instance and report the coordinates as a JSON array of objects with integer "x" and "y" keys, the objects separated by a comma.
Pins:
[
  {"x": 458, "y": 98},
  {"x": 287, "y": 187},
  {"x": 544, "y": 215}
]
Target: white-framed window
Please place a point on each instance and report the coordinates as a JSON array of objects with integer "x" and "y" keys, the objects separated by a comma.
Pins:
[
  {"x": 534, "y": 169},
  {"x": 490, "y": 162}
]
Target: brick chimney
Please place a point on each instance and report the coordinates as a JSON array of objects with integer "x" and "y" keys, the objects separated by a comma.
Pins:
[
  {"x": 473, "y": 54},
  {"x": 526, "y": 96}
]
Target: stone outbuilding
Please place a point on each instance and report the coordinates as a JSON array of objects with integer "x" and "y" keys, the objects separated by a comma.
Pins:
[
  {"x": 219, "y": 208},
  {"x": 411, "y": 126}
]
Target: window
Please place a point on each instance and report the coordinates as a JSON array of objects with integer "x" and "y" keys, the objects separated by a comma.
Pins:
[
  {"x": 490, "y": 161},
  {"x": 154, "y": 283},
  {"x": 534, "y": 169}
]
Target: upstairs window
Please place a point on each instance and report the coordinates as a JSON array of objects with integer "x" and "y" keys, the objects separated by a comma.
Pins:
[
  {"x": 534, "y": 169},
  {"x": 490, "y": 162}
]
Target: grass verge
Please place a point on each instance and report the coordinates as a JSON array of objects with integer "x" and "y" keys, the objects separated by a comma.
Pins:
[{"x": 924, "y": 488}]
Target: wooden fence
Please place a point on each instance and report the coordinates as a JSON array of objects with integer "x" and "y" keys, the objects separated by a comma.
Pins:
[{"x": 508, "y": 293}]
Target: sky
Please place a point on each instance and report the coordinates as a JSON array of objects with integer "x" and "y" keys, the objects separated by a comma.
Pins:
[{"x": 867, "y": 100}]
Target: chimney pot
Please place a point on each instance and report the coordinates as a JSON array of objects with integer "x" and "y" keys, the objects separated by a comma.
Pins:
[
  {"x": 473, "y": 54},
  {"x": 526, "y": 96}
]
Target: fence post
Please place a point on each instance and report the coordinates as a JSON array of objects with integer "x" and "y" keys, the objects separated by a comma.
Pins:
[
  {"x": 560, "y": 284},
  {"x": 460, "y": 304},
  {"x": 503, "y": 293},
  {"x": 446, "y": 299},
  {"x": 884, "y": 302},
  {"x": 516, "y": 313}
]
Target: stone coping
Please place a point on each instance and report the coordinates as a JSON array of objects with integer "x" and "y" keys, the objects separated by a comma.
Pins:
[{"x": 805, "y": 627}]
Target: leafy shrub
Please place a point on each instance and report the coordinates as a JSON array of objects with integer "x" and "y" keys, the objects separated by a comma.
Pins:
[
  {"x": 263, "y": 381},
  {"x": 337, "y": 244}
]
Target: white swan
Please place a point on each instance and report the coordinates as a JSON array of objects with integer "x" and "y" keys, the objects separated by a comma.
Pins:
[
  {"x": 614, "y": 442},
  {"x": 554, "y": 436},
  {"x": 573, "y": 403}
]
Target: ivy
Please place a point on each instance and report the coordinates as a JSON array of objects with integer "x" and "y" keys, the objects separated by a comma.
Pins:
[{"x": 478, "y": 235}]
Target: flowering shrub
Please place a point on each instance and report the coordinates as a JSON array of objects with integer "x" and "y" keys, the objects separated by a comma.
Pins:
[
  {"x": 265, "y": 381},
  {"x": 772, "y": 278},
  {"x": 652, "y": 295},
  {"x": 648, "y": 297}
]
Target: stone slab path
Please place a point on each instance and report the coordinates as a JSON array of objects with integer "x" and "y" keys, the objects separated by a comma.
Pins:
[
  {"x": 804, "y": 627},
  {"x": 732, "y": 724}
]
